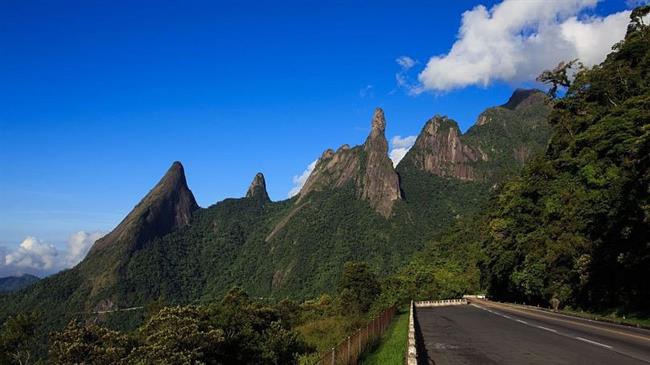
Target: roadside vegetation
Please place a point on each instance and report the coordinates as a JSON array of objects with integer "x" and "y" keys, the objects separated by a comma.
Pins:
[{"x": 391, "y": 348}]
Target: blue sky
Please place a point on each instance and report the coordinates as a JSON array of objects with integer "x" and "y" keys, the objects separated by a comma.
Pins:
[{"x": 99, "y": 98}]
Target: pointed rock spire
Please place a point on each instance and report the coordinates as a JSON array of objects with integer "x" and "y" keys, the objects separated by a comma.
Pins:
[
  {"x": 380, "y": 181},
  {"x": 367, "y": 166},
  {"x": 378, "y": 124},
  {"x": 167, "y": 207},
  {"x": 257, "y": 189}
]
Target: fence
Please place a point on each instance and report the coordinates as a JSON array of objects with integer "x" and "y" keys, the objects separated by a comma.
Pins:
[{"x": 349, "y": 350}]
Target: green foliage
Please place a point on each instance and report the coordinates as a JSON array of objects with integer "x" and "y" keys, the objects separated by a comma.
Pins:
[
  {"x": 235, "y": 331},
  {"x": 179, "y": 335},
  {"x": 89, "y": 344},
  {"x": 393, "y": 345},
  {"x": 575, "y": 225},
  {"x": 358, "y": 287},
  {"x": 17, "y": 339}
]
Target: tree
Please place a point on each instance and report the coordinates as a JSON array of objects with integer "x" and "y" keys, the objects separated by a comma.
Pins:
[
  {"x": 16, "y": 339},
  {"x": 89, "y": 344},
  {"x": 559, "y": 76},
  {"x": 179, "y": 335},
  {"x": 358, "y": 287}
]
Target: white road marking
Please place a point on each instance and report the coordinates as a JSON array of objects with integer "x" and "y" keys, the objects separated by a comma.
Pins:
[
  {"x": 520, "y": 321},
  {"x": 594, "y": 343},
  {"x": 546, "y": 329}
]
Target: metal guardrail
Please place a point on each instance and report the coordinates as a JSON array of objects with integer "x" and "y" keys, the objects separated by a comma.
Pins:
[{"x": 350, "y": 349}]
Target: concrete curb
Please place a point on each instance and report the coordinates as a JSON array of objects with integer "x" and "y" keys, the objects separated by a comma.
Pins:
[{"x": 412, "y": 352}]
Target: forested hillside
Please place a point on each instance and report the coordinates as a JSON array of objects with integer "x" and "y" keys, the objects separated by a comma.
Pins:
[{"x": 576, "y": 224}]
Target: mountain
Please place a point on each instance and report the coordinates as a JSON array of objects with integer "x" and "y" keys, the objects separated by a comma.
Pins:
[
  {"x": 354, "y": 206},
  {"x": 168, "y": 206},
  {"x": 257, "y": 189},
  {"x": 14, "y": 283},
  {"x": 367, "y": 167},
  {"x": 574, "y": 224},
  {"x": 499, "y": 144}
]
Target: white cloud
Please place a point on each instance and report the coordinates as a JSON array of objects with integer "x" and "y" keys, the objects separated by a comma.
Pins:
[
  {"x": 405, "y": 62},
  {"x": 402, "y": 76},
  {"x": 300, "y": 180},
  {"x": 32, "y": 253},
  {"x": 514, "y": 41},
  {"x": 399, "y": 147},
  {"x": 367, "y": 92},
  {"x": 78, "y": 246},
  {"x": 34, "y": 256}
]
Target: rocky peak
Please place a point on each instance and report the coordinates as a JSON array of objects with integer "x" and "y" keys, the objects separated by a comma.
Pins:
[
  {"x": 521, "y": 98},
  {"x": 378, "y": 124},
  {"x": 257, "y": 189},
  {"x": 167, "y": 207},
  {"x": 380, "y": 183},
  {"x": 440, "y": 150},
  {"x": 367, "y": 166}
]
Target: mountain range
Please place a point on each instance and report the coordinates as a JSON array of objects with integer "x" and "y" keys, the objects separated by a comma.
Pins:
[
  {"x": 13, "y": 283},
  {"x": 354, "y": 206}
]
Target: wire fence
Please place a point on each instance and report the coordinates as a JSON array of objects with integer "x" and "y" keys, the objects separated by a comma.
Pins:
[{"x": 350, "y": 349}]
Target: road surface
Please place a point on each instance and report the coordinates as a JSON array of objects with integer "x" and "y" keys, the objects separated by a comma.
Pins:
[{"x": 492, "y": 333}]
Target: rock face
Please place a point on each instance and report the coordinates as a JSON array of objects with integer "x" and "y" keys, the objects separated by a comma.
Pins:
[
  {"x": 439, "y": 150},
  {"x": 380, "y": 181},
  {"x": 167, "y": 207},
  {"x": 501, "y": 141},
  {"x": 257, "y": 189},
  {"x": 367, "y": 167}
]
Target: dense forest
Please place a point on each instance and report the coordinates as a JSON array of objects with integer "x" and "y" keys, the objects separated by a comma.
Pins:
[{"x": 576, "y": 224}]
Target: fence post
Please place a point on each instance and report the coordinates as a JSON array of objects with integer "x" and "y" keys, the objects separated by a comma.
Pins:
[
  {"x": 349, "y": 357},
  {"x": 359, "y": 338},
  {"x": 333, "y": 356}
]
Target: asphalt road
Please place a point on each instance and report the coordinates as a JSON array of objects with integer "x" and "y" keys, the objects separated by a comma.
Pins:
[{"x": 491, "y": 333}]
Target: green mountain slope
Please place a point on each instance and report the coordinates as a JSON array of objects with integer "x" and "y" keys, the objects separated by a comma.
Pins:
[
  {"x": 354, "y": 206},
  {"x": 13, "y": 283},
  {"x": 576, "y": 224}
]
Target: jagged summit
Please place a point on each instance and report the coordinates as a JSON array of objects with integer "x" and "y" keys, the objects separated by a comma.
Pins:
[
  {"x": 523, "y": 97},
  {"x": 380, "y": 181},
  {"x": 378, "y": 123},
  {"x": 439, "y": 150},
  {"x": 168, "y": 206},
  {"x": 367, "y": 166},
  {"x": 257, "y": 189}
]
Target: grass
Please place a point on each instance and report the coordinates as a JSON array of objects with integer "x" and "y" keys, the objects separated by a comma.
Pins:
[
  {"x": 613, "y": 317},
  {"x": 392, "y": 346}
]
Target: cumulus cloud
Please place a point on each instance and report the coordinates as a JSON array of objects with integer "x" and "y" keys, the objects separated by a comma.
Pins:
[
  {"x": 300, "y": 180},
  {"x": 399, "y": 147},
  {"x": 78, "y": 246},
  {"x": 33, "y": 256},
  {"x": 33, "y": 253},
  {"x": 514, "y": 41}
]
